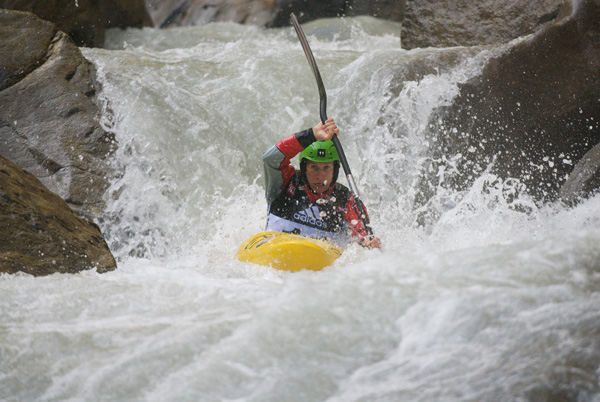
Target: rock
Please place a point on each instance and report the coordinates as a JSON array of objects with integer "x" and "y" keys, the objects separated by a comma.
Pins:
[
  {"x": 531, "y": 115},
  {"x": 308, "y": 10},
  {"x": 86, "y": 20},
  {"x": 39, "y": 234},
  {"x": 271, "y": 13},
  {"x": 584, "y": 180},
  {"x": 48, "y": 121},
  {"x": 23, "y": 47},
  {"x": 169, "y": 13},
  {"x": 438, "y": 23}
]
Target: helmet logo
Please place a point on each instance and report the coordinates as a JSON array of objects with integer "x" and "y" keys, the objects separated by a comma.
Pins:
[{"x": 321, "y": 152}]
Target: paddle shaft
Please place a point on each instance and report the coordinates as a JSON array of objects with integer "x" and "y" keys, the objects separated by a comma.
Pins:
[{"x": 323, "y": 112}]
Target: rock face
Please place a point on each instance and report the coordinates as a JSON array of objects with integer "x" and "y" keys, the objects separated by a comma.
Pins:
[
  {"x": 85, "y": 20},
  {"x": 438, "y": 23},
  {"x": 307, "y": 10},
  {"x": 169, "y": 13},
  {"x": 48, "y": 121},
  {"x": 532, "y": 114},
  {"x": 271, "y": 13},
  {"x": 39, "y": 234}
]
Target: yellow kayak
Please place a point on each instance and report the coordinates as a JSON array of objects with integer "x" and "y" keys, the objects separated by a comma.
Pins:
[{"x": 288, "y": 252}]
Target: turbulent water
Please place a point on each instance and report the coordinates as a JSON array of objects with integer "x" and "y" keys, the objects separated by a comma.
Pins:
[{"x": 485, "y": 303}]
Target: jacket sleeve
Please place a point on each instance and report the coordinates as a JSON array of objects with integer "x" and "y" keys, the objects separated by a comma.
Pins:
[
  {"x": 277, "y": 165},
  {"x": 353, "y": 218}
]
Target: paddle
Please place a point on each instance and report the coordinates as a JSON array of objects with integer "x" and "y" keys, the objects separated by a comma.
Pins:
[{"x": 323, "y": 113}]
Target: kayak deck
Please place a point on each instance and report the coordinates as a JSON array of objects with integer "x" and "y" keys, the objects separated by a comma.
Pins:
[{"x": 288, "y": 252}]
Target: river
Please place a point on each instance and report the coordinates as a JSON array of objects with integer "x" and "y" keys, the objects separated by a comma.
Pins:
[{"x": 485, "y": 302}]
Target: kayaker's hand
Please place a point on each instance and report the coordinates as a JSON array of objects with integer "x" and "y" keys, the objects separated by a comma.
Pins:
[
  {"x": 370, "y": 243},
  {"x": 324, "y": 132}
]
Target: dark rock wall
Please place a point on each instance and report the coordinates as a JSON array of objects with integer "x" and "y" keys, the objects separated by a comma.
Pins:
[
  {"x": 307, "y": 10},
  {"x": 270, "y": 13},
  {"x": 170, "y": 13},
  {"x": 85, "y": 20}
]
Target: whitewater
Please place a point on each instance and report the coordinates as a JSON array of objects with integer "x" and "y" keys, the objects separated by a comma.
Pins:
[{"x": 496, "y": 299}]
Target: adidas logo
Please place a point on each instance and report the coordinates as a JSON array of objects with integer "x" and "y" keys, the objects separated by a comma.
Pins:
[{"x": 309, "y": 216}]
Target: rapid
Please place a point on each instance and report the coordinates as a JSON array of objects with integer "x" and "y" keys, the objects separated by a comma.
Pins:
[{"x": 496, "y": 299}]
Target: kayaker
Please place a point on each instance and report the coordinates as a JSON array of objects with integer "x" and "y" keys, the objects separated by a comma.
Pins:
[{"x": 310, "y": 202}]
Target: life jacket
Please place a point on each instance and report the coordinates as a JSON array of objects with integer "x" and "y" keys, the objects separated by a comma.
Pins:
[{"x": 294, "y": 212}]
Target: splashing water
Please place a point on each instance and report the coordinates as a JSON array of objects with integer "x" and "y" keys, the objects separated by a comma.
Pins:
[{"x": 496, "y": 299}]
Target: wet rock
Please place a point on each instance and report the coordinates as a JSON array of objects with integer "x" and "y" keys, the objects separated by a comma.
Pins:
[
  {"x": 169, "y": 13},
  {"x": 584, "y": 180},
  {"x": 39, "y": 234},
  {"x": 271, "y": 13},
  {"x": 48, "y": 120},
  {"x": 308, "y": 10},
  {"x": 86, "y": 20},
  {"x": 437, "y": 23},
  {"x": 531, "y": 115}
]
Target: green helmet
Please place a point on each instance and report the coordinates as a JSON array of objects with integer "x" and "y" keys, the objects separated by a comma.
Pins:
[{"x": 320, "y": 151}]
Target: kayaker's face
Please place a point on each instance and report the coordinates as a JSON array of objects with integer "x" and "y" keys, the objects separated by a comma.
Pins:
[{"x": 319, "y": 176}]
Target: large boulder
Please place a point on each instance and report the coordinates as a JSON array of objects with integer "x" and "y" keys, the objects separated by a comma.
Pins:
[
  {"x": 48, "y": 120},
  {"x": 531, "y": 115},
  {"x": 86, "y": 20},
  {"x": 440, "y": 23},
  {"x": 39, "y": 234}
]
